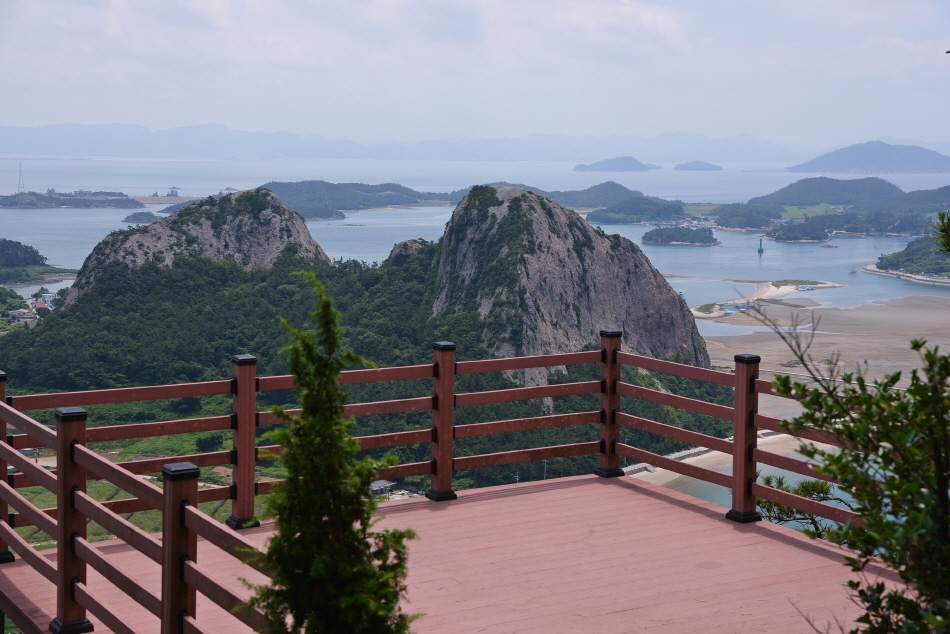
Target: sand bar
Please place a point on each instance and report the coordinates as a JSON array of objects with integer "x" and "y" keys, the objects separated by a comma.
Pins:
[{"x": 764, "y": 290}]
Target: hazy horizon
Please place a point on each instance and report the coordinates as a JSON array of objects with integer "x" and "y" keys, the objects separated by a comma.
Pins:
[{"x": 806, "y": 75}]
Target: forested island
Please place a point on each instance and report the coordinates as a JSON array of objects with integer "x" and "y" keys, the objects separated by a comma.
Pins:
[
  {"x": 80, "y": 200},
  {"x": 922, "y": 256},
  {"x": 701, "y": 237},
  {"x": 142, "y": 218},
  {"x": 21, "y": 263}
]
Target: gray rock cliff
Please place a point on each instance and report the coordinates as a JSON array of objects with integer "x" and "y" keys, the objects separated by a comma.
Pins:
[
  {"x": 252, "y": 227},
  {"x": 544, "y": 281}
]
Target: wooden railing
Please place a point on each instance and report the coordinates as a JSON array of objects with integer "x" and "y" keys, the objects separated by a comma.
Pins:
[{"x": 178, "y": 498}]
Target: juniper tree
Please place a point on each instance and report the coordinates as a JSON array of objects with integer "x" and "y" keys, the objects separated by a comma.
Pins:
[{"x": 331, "y": 572}]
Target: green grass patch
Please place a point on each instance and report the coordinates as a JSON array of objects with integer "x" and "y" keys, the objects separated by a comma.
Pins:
[
  {"x": 706, "y": 309},
  {"x": 814, "y": 210},
  {"x": 699, "y": 209},
  {"x": 779, "y": 283}
]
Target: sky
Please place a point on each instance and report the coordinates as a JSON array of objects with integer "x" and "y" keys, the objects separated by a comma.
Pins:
[{"x": 803, "y": 73}]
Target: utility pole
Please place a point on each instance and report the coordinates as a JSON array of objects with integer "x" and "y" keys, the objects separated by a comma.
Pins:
[{"x": 21, "y": 188}]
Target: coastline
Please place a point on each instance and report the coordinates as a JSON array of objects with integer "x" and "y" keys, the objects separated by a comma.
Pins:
[
  {"x": 48, "y": 279},
  {"x": 765, "y": 290},
  {"x": 910, "y": 277}
]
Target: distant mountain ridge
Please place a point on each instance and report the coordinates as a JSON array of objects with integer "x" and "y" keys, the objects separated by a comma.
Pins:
[
  {"x": 877, "y": 157},
  {"x": 218, "y": 141},
  {"x": 619, "y": 164}
]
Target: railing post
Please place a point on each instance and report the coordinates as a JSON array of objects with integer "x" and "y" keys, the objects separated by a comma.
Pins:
[
  {"x": 609, "y": 466},
  {"x": 744, "y": 439},
  {"x": 70, "y": 523},
  {"x": 244, "y": 367},
  {"x": 5, "y": 555},
  {"x": 178, "y": 544},
  {"x": 443, "y": 421}
]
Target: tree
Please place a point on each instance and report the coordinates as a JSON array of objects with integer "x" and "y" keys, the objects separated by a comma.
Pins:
[
  {"x": 894, "y": 461},
  {"x": 817, "y": 490},
  {"x": 330, "y": 571}
]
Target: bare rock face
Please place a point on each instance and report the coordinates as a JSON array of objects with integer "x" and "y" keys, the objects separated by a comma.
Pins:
[
  {"x": 402, "y": 251},
  {"x": 252, "y": 227},
  {"x": 544, "y": 281}
]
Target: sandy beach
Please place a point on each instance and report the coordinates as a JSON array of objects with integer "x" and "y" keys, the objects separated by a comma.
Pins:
[{"x": 764, "y": 290}]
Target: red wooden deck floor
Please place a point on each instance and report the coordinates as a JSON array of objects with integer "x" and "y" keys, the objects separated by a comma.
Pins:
[{"x": 579, "y": 554}]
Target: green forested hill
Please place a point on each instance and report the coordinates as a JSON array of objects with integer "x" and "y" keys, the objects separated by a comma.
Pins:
[
  {"x": 680, "y": 235},
  {"x": 922, "y": 256},
  {"x": 320, "y": 199},
  {"x": 747, "y": 216},
  {"x": 22, "y": 263},
  {"x": 637, "y": 210},
  {"x": 815, "y": 191}
]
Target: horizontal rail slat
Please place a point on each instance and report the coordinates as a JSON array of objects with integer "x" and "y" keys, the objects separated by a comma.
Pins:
[
  {"x": 788, "y": 464},
  {"x": 805, "y": 505},
  {"x": 30, "y": 513},
  {"x": 153, "y": 465},
  {"x": 395, "y": 439},
  {"x": 816, "y": 435},
  {"x": 263, "y": 488},
  {"x": 522, "y": 363},
  {"x": 682, "y": 468},
  {"x": 676, "y": 433},
  {"x": 145, "y": 491},
  {"x": 101, "y": 610},
  {"x": 18, "y": 521},
  {"x": 128, "y": 505},
  {"x": 34, "y": 472},
  {"x": 350, "y": 377},
  {"x": 118, "y": 526},
  {"x": 764, "y": 386},
  {"x": 524, "y": 424},
  {"x": 406, "y": 470},
  {"x": 223, "y": 597},
  {"x": 214, "y": 494},
  {"x": 525, "y": 455},
  {"x": 673, "y": 400},
  {"x": 123, "y": 581},
  {"x": 121, "y": 395},
  {"x": 27, "y": 425},
  {"x": 152, "y": 430},
  {"x": 224, "y": 538},
  {"x": 677, "y": 369},
  {"x": 37, "y": 562},
  {"x": 376, "y": 408},
  {"x": 23, "y": 441},
  {"x": 525, "y": 393}
]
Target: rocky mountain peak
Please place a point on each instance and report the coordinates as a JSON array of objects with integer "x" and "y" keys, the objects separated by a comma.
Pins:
[
  {"x": 252, "y": 228},
  {"x": 544, "y": 281}
]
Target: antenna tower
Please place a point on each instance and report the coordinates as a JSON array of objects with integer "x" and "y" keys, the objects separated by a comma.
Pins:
[{"x": 21, "y": 188}]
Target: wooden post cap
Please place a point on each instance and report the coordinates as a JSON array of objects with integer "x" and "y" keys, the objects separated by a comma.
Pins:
[
  {"x": 180, "y": 471},
  {"x": 443, "y": 345},
  {"x": 70, "y": 414},
  {"x": 747, "y": 358},
  {"x": 243, "y": 359},
  {"x": 611, "y": 333}
]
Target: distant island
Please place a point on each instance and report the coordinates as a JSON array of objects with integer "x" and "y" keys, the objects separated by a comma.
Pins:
[
  {"x": 619, "y": 164},
  {"x": 804, "y": 232},
  {"x": 141, "y": 218},
  {"x": 639, "y": 210},
  {"x": 79, "y": 199},
  {"x": 697, "y": 166},
  {"x": 20, "y": 264},
  {"x": 685, "y": 236},
  {"x": 877, "y": 157},
  {"x": 325, "y": 201},
  {"x": 602, "y": 195}
]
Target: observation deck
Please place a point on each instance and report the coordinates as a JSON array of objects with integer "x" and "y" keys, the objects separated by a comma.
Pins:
[{"x": 594, "y": 553}]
